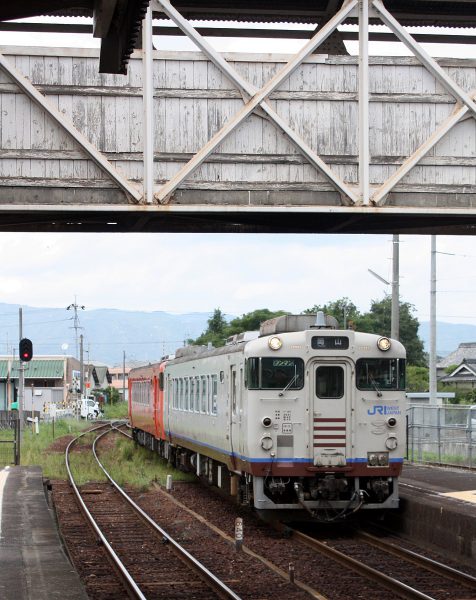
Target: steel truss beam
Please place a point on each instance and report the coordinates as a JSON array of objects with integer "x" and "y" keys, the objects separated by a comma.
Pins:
[
  {"x": 64, "y": 123},
  {"x": 464, "y": 103},
  {"x": 255, "y": 99}
]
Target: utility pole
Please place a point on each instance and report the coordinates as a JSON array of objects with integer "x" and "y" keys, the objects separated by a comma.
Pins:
[
  {"x": 123, "y": 374},
  {"x": 21, "y": 384},
  {"x": 395, "y": 283},
  {"x": 432, "y": 365},
  {"x": 395, "y": 326},
  {"x": 81, "y": 366},
  {"x": 75, "y": 306}
]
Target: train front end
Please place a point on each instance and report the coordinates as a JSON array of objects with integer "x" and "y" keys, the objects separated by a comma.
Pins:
[{"x": 326, "y": 418}]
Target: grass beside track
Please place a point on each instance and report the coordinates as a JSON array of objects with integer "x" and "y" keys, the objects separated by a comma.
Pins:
[{"x": 125, "y": 462}]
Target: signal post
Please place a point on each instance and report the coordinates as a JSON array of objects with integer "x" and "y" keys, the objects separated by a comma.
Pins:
[{"x": 25, "y": 355}]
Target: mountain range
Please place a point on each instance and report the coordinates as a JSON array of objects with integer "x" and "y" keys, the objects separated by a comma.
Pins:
[{"x": 142, "y": 336}]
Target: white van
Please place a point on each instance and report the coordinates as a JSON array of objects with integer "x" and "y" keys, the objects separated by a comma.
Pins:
[{"x": 89, "y": 408}]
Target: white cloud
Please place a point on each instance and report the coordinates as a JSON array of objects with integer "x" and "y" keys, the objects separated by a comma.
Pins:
[{"x": 238, "y": 273}]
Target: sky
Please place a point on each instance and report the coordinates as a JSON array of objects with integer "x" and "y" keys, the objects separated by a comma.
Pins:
[{"x": 236, "y": 272}]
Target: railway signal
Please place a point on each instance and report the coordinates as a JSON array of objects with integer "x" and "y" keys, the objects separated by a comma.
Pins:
[{"x": 26, "y": 350}]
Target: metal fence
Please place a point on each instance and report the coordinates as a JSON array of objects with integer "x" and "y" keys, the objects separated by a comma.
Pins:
[
  {"x": 444, "y": 435},
  {"x": 9, "y": 434}
]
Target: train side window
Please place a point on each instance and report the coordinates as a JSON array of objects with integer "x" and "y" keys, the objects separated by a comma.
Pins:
[
  {"x": 214, "y": 394},
  {"x": 192, "y": 394},
  {"x": 252, "y": 373},
  {"x": 180, "y": 393},
  {"x": 204, "y": 394},
  {"x": 196, "y": 400},
  {"x": 329, "y": 382},
  {"x": 209, "y": 395},
  {"x": 161, "y": 381},
  {"x": 186, "y": 394},
  {"x": 233, "y": 391}
]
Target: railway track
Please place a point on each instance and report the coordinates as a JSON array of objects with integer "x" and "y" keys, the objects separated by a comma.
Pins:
[
  {"x": 148, "y": 561},
  {"x": 404, "y": 573},
  {"x": 315, "y": 575}
]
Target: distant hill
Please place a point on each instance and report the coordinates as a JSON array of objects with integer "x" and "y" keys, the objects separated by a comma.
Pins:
[
  {"x": 144, "y": 336},
  {"x": 448, "y": 336}
]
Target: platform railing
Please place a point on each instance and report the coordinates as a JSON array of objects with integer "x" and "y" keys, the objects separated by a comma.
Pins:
[{"x": 443, "y": 435}]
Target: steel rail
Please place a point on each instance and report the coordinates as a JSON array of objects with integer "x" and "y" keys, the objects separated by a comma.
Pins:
[
  {"x": 133, "y": 590},
  {"x": 418, "y": 559},
  {"x": 397, "y": 587},
  {"x": 218, "y": 586},
  {"x": 119, "y": 430}
]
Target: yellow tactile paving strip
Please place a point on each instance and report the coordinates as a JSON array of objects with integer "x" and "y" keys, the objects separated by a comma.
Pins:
[{"x": 468, "y": 495}]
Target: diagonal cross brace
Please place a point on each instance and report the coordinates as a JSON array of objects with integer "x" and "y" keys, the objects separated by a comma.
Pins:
[
  {"x": 427, "y": 61},
  {"x": 257, "y": 98},
  {"x": 378, "y": 197},
  {"x": 466, "y": 101},
  {"x": 94, "y": 154}
]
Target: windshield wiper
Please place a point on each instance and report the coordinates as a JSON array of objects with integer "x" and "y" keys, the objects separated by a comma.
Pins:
[
  {"x": 288, "y": 385},
  {"x": 377, "y": 389}
]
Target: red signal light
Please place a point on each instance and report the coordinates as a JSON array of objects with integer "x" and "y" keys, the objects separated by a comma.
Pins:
[{"x": 26, "y": 350}]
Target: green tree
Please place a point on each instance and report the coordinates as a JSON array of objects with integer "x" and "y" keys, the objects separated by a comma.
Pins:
[
  {"x": 378, "y": 320},
  {"x": 417, "y": 379},
  {"x": 215, "y": 333},
  {"x": 218, "y": 329},
  {"x": 343, "y": 309},
  {"x": 251, "y": 321}
]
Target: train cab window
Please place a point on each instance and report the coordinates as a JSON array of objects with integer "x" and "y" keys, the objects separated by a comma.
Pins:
[
  {"x": 269, "y": 373},
  {"x": 161, "y": 381},
  {"x": 329, "y": 381},
  {"x": 380, "y": 373}
]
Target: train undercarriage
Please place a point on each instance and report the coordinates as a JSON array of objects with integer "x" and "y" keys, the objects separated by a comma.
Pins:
[{"x": 324, "y": 496}]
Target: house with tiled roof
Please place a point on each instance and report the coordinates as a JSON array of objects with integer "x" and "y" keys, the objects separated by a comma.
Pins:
[
  {"x": 47, "y": 379},
  {"x": 463, "y": 359}
]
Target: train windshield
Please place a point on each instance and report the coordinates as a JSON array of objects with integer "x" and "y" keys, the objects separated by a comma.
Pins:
[
  {"x": 381, "y": 374},
  {"x": 269, "y": 373}
]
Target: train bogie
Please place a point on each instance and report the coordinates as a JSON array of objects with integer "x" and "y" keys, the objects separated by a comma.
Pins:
[{"x": 302, "y": 417}]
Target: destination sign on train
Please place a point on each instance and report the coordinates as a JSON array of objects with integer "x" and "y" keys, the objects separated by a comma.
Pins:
[{"x": 321, "y": 342}]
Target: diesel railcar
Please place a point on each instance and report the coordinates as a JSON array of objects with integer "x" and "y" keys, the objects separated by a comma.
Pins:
[{"x": 297, "y": 416}]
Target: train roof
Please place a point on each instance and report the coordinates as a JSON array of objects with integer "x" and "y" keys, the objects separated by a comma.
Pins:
[{"x": 291, "y": 323}]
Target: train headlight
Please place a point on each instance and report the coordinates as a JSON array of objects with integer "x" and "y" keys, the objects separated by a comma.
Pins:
[
  {"x": 372, "y": 459},
  {"x": 383, "y": 344},
  {"x": 377, "y": 459},
  {"x": 275, "y": 343},
  {"x": 391, "y": 442},
  {"x": 391, "y": 421},
  {"x": 267, "y": 443},
  {"x": 267, "y": 422}
]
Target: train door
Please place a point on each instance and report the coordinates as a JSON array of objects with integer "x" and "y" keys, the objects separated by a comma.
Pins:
[
  {"x": 330, "y": 391},
  {"x": 236, "y": 410},
  {"x": 159, "y": 402}
]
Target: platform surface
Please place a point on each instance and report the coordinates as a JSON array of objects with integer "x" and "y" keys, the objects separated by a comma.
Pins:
[
  {"x": 33, "y": 563},
  {"x": 445, "y": 480}
]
